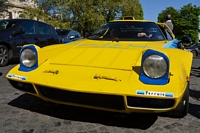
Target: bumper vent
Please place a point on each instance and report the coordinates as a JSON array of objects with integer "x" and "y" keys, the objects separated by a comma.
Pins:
[
  {"x": 96, "y": 100},
  {"x": 149, "y": 102},
  {"x": 23, "y": 86}
]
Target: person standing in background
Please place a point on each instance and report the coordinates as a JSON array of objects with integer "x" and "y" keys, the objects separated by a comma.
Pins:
[
  {"x": 169, "y": 21},
  {"x": 87, "y": 34}
]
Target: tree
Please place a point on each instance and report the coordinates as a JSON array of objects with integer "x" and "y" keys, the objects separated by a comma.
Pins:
[
  {"x": 185, "y": 20},
  {"x": 76, "y": 15},
  {"x": 189, "y": 21},
  {"x": 46, "y": 12},
  {"x": 171, "y": 10},
  {"x": 3, "y": 8},
  {"x": 132, "y": 8}
]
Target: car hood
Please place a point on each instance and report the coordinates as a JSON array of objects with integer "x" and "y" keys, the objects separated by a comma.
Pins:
[{"x": 104, "y": 54}]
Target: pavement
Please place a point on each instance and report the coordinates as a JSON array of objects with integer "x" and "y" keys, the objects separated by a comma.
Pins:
[{"x": 23, "y": 113}]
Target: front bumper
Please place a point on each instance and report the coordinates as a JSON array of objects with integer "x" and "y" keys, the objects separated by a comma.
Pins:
[{"x": 109, "y": 102}]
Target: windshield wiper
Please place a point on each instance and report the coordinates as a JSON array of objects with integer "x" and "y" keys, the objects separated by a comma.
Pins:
[{"x": 115, "y": 39}]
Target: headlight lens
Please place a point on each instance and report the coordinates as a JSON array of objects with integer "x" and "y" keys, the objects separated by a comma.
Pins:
[
  {"x": 28, "y": 57},
  {"x": 155, "y": 66}
]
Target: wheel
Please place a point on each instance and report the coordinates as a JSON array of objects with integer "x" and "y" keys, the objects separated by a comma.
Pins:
[
  {"x": 182, "y": 108},
  {"x": 194, "y": 53},
  {"x": 4, "y": 57}
]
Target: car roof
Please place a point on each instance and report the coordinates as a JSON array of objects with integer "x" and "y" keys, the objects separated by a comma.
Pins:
[
  {"x": 22, "y": 19},
  {"x": 64, "y": 30},
  {"x": 131, "y": 20},
  {"x": 18, "y": 19}
]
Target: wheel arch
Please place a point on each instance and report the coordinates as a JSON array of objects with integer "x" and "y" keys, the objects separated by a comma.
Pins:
[
  {"x": 9, "y": 49},
  {"x": 194, "y": 51}
]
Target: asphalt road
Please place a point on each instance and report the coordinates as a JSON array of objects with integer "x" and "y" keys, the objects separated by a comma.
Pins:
[{"x": 22, "y": 113}]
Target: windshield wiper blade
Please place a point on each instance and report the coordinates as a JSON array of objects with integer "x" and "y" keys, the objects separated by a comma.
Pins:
[{"x": 115, "y": 39}]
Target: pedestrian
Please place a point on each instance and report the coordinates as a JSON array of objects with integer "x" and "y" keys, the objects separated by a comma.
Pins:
[
  {"x": 87, "y": 34},
  {"x": 169, "y": 21}
]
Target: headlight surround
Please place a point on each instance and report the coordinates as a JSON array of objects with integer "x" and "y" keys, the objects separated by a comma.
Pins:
[
  {"x": 28, "y": 58},
  {"x": 155, "y": 66}
]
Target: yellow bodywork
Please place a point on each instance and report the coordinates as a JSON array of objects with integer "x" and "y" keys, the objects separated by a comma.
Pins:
[
  {"x": 106, "y": 68},
  {"x": 167, "y": 27}
]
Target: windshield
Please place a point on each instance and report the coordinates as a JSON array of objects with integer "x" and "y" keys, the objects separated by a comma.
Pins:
[
  {"x": 193, "y": 46},
  {"x": 6, "y": 24},
  {"x": 128, "y": 30},
  {"x": 62, "y": 32}
]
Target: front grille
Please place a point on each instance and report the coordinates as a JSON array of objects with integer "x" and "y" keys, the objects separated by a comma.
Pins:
[
  {"x": 23, "y": 86},
  {"x": 96, "y": 100},
  {"x": 149, "y": 102}
]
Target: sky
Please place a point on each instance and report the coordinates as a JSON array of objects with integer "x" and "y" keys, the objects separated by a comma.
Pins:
[{"x": 152, "y": 8}]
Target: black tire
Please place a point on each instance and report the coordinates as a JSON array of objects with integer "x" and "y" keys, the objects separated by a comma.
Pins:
[
  {"x": 194, "y": 53},
  {"x": 4, "y": 55},
  {"x": 182, "y": 108}
]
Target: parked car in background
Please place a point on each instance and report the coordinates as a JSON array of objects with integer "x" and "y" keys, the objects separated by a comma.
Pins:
[
  {"x": 194, "y": 48},
  {"x": 15, "y": 33},
  {"x": 89, "y": 32},
  {"x": 68, "y": 35}
]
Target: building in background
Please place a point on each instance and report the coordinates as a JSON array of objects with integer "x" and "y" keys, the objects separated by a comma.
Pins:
[{"x": 15, "y": 8}]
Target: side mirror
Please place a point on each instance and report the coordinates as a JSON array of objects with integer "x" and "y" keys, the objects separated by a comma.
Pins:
[
  {"x": 14, "y": 33},
  {"x": 17, "y": 32},
  {"x": 71, "y": 37},
  {"x": 186, "y": 40}
]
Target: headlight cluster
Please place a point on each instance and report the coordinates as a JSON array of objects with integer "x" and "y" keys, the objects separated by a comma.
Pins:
[
  {"x": 154, "y": 66},
  {"x": 28, "y": 58}
]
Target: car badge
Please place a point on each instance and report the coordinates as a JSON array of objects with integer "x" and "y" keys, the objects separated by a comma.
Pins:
[
  {"x": 96, "y": 76},
  {"x": 51, "y": 71}
]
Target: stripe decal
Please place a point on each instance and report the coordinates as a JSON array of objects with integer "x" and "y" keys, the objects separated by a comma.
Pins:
[
  {"x": 171, "y": 44},
  {"x": 154, "y": 93}
]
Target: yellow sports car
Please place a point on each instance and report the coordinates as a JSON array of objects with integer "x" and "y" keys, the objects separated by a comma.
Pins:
[{"x": 125, "y": 66}]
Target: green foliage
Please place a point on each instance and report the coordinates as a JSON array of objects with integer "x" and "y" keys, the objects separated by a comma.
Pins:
[
  {"x": 82, "y": 15},
  {"x": 3, "y": 8},
  {"x": 171, "y": 10},
  {"x": 185, "y": 20},
  {"x": 2, "y": 5},
  {"x": 132, "y": 8}
]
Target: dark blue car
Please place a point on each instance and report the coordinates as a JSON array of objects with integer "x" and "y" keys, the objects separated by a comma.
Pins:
[
  {"x": 68, "y": 35},
  {"x": 14, "y": 33},
  {"x": 194, "y": 49}
]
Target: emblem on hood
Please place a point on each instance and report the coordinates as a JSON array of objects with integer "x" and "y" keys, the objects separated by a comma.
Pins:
[
  {"x": 51, "y": 71},
  {"x": 96, "y": 76}
]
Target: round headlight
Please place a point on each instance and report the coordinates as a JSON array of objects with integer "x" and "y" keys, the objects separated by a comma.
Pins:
[
  {"x": 154, "y": 66},
  {"x": 28, "y": 57}
]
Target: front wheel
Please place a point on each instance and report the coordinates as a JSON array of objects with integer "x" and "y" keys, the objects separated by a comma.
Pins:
[
  {"x": 182, "y": 108},
  {"x": 194, "y": 53},
  {"x": 4, "y": 57}
]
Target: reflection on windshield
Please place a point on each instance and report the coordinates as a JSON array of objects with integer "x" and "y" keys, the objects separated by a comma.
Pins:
[
  {"x": 117, "y": 31},
  {"x": 62, "y": 32},
  {"x": 6, "y": 24},
  {"x": 100, "y": 33}
]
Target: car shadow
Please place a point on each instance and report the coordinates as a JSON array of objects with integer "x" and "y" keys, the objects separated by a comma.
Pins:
[
  {"x": 195, "y": 94},
  {"x": 194, "y": 109},
  {"x": 13, "y": 61},
  {"x": 195, "y": 71},
  {"x": 34, "y": 104}
]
